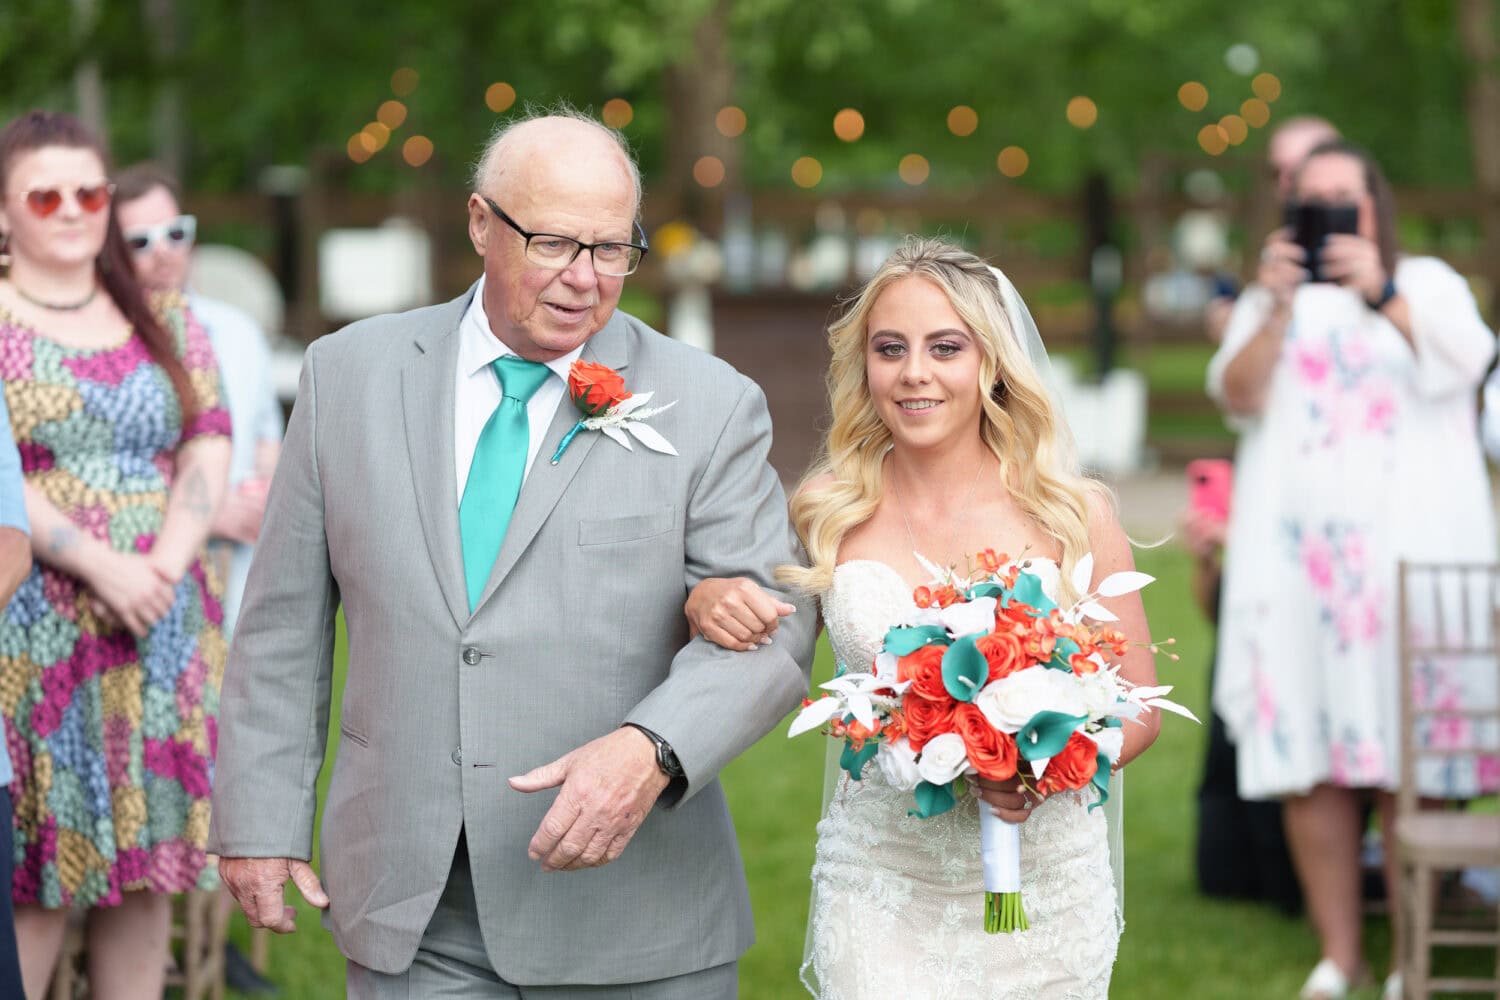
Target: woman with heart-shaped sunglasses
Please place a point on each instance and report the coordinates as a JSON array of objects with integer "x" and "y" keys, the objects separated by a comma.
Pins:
[{"x": 110, "y": 653}]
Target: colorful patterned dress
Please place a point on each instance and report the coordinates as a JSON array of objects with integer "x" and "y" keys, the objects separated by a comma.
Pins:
[
  {"x": 112, "y": 738},
  {"x": 1366, "y": 453}
]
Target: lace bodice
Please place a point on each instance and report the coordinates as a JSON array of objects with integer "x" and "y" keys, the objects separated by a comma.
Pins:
[{"x": 898, "y": 901}]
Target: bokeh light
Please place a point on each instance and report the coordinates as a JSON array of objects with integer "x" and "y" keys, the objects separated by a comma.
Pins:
[
  {"x": 417, "y": 150},
  {"x": 1266, "y": 87},
  {"x": 379, "y": 135},
  {"x": 499, "y": 96},
  {"x": 869, "y": 221},
  {"x": 391, "y": 114},
  {"x": 1255, "y": 112},
  {"x": 1012, "y": 161},
  {"x": 1235, "y": 129},
  {"x": 1213, "y": 140},
  {"x": 914, "y": 168},
  {"x": 1242, "y": 58},
  {"x": 730, "y": 121},
  {"x": 963, "y": 120},
  {"x": 1193, "y": 95},
  {"x": 1082, "y": 112},
  {"x": 361, "y": 147},
  {"x": 617, "y": 112},
  {"x": 806, "y": 172},
  {"x": 404, "y": 81},
  {"x": 709, "y": 171},
  {"x": 848, "y": 124}
]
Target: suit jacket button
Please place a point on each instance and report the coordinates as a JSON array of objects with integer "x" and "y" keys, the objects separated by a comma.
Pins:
[
  {"x": 458, "y": 756},
  {"x": 471, "y": 656}
]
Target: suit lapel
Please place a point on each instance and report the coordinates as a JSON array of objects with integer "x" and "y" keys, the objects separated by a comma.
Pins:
[
  {"x": 427, "y": 403},
  {"x": 545, "y": 483}
]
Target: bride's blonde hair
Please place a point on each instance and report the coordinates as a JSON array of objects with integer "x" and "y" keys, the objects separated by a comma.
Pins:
[{"x": 1019, "y": 424}]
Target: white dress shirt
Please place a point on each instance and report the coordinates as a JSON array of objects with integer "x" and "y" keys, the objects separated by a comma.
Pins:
[{"x": 478, "y": 390}]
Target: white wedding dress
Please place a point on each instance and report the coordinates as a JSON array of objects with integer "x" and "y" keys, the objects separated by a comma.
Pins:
[{"x": 898, "y": 902}]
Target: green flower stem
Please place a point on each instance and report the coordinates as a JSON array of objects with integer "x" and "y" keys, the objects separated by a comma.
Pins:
[{"x": 1003, "y": 913}]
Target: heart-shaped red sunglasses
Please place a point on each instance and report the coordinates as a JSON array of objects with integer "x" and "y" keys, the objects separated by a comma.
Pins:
[{"x": 90, "y": 197}]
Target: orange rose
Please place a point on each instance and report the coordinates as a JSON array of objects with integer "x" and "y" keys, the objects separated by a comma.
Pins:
[
  {"x": 926, "y": 719},
  {"x": 992, "y": 752},
  {"x": 595, "y": 388},
  {"x": 924, "y": 668},
  {"x": 1072, "y": 767},
  {"x": 1004, "y": 654}
]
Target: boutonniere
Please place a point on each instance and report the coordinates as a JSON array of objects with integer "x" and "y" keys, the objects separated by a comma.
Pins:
[{"x": 600, "y": 395}]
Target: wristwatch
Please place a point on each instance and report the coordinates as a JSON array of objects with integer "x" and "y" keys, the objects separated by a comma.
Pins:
[
  {"x": 666, "y": 760},
  {"x": 1386, "y": 294}
]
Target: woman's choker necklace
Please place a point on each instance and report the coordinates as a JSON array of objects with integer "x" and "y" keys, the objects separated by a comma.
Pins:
[{"x": 57, "y": 306}]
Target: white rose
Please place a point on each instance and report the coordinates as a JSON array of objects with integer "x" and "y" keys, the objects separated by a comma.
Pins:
[
  {"x": 943, "y": 758},
  {"x": 1111, "y": 742},
  {"x": 1009, "y": 703},
  {"x": 898, "y": 762}
]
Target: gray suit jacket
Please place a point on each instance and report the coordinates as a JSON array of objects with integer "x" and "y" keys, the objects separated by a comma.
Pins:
[{"x": 579, "y": 630}]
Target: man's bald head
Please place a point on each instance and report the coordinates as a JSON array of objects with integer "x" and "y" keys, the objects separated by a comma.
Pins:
[
  {"x": 564, "y": 135},
  {"x": 1290, "y": 144}
]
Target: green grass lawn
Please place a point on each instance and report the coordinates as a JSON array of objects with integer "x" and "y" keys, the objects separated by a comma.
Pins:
[{"x": 1176, "y": 943}]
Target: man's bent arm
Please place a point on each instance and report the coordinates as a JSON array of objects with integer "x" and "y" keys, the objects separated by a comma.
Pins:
[{"x": 273, "y": 715}]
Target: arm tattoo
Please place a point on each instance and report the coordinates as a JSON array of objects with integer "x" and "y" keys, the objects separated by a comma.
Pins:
[
  {"x": 61, "y": 540},
  {"x": 195, "y": 496}
]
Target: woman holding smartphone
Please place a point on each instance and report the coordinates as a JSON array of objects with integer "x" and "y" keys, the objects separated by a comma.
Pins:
[{"x": 1355, "y": 399}]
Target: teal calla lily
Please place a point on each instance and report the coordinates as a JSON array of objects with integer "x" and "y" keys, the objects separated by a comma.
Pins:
[
  {"x": 932, "y": 800},
  {"x": 965, "y": 670},
  {"x": 854, "y": 761},
  {"x": 1046, "y": 734},
  {"x": 908, "y": 639},
  {"x": 1028, "y": 590}
]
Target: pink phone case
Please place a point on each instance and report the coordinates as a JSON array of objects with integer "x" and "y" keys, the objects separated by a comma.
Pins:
[{"x": 1210, "y": 483}]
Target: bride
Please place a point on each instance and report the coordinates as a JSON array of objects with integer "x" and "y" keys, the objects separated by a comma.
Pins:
[{"x": 944, "y": 442}]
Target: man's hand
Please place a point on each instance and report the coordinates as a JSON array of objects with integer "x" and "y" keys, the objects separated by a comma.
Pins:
[
  {"x": 608, "y": 786},
  {"x": 257, "y": 884}
]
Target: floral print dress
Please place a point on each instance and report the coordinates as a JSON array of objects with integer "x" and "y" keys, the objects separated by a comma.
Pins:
[
  {"x": 1366, "y": 453},
  {"x": 112, "y": 738}
]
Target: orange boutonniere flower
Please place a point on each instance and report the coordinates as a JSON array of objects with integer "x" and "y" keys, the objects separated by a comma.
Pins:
[
  {"x": 594, "y": 388},
  {"x": 607, "y": 406}
]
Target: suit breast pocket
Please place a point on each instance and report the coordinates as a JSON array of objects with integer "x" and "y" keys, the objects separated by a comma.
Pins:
[{"x": 629, "y": 528}]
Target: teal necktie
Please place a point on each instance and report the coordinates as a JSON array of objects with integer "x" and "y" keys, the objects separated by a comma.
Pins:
[{"x": 497, "y": 470}]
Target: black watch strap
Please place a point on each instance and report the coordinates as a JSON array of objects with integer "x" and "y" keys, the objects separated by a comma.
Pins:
[
  {"x": 1386, "y": 294},
  {"x": 666, "y": 760}
]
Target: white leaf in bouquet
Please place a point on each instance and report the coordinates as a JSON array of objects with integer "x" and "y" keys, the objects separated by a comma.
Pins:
[
  {"x": 1172, "y": 706},
  {"x": 815, "y": 714},
  {"x": 898, "y": 762},
  {"x": 1039, "y": 766},
  {"x": 1009, "y": 703},
  {"x": 1127, "y": 582},
  {"x": 1083, "y": 573},
  {"x": 936, "y": 572},
  {"x": 969, "y": 617},
  {"x": 1097, "y": 611},
  {"x": 887, "y": 667},
  {"x": 943, "y": 758}
]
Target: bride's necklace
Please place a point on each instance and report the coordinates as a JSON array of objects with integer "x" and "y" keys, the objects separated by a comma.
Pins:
[
  {"x": 957, "y": 518},
  {"x": 57, "y": 306}
]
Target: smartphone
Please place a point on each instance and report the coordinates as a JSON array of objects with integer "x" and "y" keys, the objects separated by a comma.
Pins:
[
  {"x": 1210, "y": 484},
  {"x": 1311, "y": 223}
]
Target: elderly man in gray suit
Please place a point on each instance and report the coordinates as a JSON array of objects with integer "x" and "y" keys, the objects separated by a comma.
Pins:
[{"x": 514, "y": 613}]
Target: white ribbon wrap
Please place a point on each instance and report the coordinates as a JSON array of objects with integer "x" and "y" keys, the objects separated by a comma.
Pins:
[{"x": 1000, "y": 850}]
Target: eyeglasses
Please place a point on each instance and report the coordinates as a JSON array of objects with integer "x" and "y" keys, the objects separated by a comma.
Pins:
[
  {"x": 178, "y": 232},
  {"x": 557, "y": 252},
  {"x": 90, "y": 197}
]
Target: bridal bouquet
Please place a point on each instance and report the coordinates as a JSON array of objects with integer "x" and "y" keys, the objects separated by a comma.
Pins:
[{"x": 991, "y": 677}]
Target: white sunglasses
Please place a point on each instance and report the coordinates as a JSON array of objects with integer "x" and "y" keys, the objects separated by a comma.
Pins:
[{"x": 178, "y": 232}]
